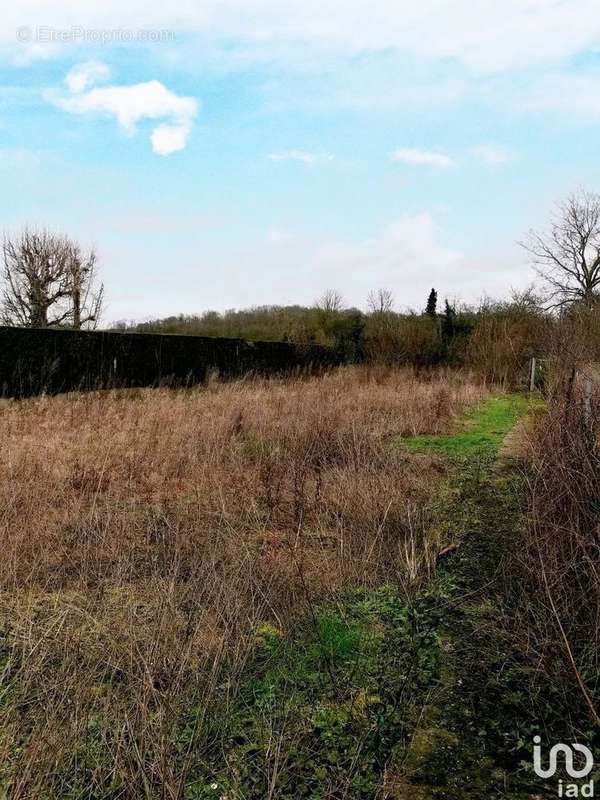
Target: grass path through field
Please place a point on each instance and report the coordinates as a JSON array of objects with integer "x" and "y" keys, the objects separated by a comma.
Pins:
[
  {"x": 392, "y": 695},
  {"x": 475, "y": 732}
]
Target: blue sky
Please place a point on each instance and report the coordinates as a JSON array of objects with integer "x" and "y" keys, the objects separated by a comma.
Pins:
[{"x": 262, "y": 151}]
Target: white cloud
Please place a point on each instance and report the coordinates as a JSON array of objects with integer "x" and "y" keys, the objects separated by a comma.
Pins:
[
  {"x": 422, "y": 157},
  {"x": 170, "y": 138},
  {"x": 430, "y": 53},
  {"x": 492, "y": 154},
  {"x": 84, "y": 75},
  {"x": 404, "y": 256},
  {"x": 129, "y": 105},
  {"x": 486, "y": 37},
  {"x": 301, "y": 156},
  {"x": 409, "y": 256}
]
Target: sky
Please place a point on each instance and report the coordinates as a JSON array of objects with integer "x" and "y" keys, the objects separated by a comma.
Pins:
[{"x": 230, "y": 153}]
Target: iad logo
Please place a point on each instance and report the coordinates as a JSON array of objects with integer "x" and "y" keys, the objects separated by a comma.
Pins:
[{"x": 565, "y": 789}]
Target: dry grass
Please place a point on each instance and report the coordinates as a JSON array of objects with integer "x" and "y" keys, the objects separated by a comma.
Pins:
[
  {"x": 558, "y": 566},
  {"x": 145, "y": 536}
]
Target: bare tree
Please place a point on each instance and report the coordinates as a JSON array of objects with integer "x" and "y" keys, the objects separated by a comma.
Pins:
[
  {"x": 48, "y": 282},
  {"x": 380, "y": 301},
  {"x": 567, "y": 256},
  {"x": 85, "y": 293},
  {"x": 331, "y": 300}
]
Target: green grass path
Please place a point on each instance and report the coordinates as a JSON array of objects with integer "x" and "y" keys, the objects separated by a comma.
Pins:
[
  {"x": 480, "y": 432},
  {"x": 475, "y": 733},
  {"x": 394, "y": 695}
]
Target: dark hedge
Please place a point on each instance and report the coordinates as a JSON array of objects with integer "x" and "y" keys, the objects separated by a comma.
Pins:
[{"x": 34, "y": 360}]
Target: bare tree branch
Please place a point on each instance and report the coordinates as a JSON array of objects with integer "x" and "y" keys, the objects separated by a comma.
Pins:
[
  {"x": 331, "y": 300},
  {"x": 380, "y": 301},
  {"x": 567, "y": 256},
  {"x": 48, "y": 282}
]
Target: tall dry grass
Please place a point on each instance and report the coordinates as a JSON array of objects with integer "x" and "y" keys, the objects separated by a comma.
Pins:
[
  {"x": 558, "y": 567},
  {"x": 146, "y": 534}
]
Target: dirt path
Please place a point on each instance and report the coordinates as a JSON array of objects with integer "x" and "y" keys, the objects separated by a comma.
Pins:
[
  {"x": 472, "y": 739},
  {"x": 515, "y": 443}
]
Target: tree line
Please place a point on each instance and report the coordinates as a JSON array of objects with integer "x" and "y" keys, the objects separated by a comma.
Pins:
[{"x": 49, "y": 280}]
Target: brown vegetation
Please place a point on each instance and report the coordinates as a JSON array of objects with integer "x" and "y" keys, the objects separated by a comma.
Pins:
[
  {"x": 147, "y": 534},
  {"x": 557, "y": 572}
]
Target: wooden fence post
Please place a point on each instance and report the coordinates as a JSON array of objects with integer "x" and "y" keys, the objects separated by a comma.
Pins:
[{"x": 532, "y": 375}]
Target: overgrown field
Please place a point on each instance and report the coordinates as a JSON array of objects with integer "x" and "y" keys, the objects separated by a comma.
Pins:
[{"x": 155, "y": 544}]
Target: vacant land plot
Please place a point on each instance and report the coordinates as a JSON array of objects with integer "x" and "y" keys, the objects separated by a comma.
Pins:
[{"x": 151, "y": 538}]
